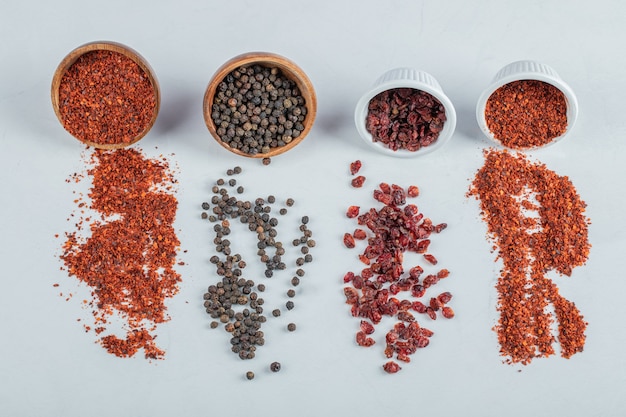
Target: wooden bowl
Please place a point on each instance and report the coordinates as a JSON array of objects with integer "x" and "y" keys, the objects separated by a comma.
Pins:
[
  {"x": 269, "y": 60},
  {"x": 74, "y": 55}
]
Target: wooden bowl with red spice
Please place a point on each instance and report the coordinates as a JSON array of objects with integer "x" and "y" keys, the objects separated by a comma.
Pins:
[
  {"x": 106, "y": 95},
  {"x": 259, "y": 105},
  {"x": 527, "y": 106}
]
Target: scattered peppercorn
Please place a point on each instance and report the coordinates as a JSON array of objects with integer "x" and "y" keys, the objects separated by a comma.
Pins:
[
  {"x": 250, "y": 375},
  {"x": 291, "y": 327}
]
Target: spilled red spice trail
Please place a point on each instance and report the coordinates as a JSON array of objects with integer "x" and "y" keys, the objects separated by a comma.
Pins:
[
  {"x": 106, "y": 98},
  {"x": 538, "y": 223},
  {"x": 526, "y": 114},
  {"x": 128, "y": 258}
]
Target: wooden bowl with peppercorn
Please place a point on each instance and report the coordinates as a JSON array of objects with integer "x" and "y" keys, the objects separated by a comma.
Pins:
[
  {"x": 259, "y": 105},
  {"x": 106, "y": 95}
]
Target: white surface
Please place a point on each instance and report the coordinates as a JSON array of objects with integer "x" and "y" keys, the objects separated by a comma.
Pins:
[{"x": 50, "y": 367}]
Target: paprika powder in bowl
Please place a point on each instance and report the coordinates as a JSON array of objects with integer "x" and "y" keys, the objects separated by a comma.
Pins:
[
  {"x": 259, "y": 105},
  {"x": 106, "y": 95},
  {"x": 527, "y": 106},
  {"x": 405, "y": 114}
]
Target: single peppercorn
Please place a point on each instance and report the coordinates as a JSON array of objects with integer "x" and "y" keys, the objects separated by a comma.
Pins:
[
  {"x": 276, "y": 313},
  {"x": 275, "y": 366},
  {"x": 289, "y": 305},
  {"x": 291, "y": 327},
  {"x": 250, "y": 375}
]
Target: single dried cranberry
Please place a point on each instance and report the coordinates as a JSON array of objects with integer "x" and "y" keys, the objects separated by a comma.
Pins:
[
  {"x": 352, "y": 296},
  {"x": 385, "y": 188},
  {"x": 355, "y": 167},
  {"x": 418, "y": 291},
  {"x": 444, "y": 297},
  {"x": 431, "y": 259},
  {"x": 416, "y": 271},
  {"x": 358, "y": 181},
  {"x": 367, "y": 327},
  {"x": 413, "y": 191},
  {"x": 422, "y": 247},
  {"x": 353, "y": 211},
  {"x": 359, "y": 234},
  {"x": 348, "y": 277},
  {"x": 447, "y": 312},
  {"x": 434, "y": 304},
  {"x": 438, "y": 228},
  {"x": 348, "y": 240},
  {"x": 444, "y": 273},
  {"x": 431, "y": 313},
  {"x": 403, "y": 357},
  {"x": 421, "y": 342},
  {"x": 391, "y": 367}
]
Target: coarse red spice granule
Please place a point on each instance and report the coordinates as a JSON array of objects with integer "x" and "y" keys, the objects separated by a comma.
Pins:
[
  {"x": 526, "y": 114},
  {"x": 128, "y": 258},
  {"x": 538, "y": 223},
  {"x": 106, "y": 98}
]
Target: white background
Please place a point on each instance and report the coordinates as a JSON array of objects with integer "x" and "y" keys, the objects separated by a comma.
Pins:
[{"x": 50, "y": 367}]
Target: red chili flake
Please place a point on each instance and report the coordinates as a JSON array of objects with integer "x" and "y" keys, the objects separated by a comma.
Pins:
[
  {"x": 413, "y": 191},
  {"x": 352, "y": 212},
  {"x": 526, "y": 114},
  {"x": 129, "y": 260},
  {"x": 355, "y": 167},
  {"x": 405, "y": 118},
  {"x": 106, "y": 98},
  {"x": 358, "y": 181},
  {"x": 348, "y": 240},
  {"x": 391, "y": 367},
  {"x": 529, "y": 253}
]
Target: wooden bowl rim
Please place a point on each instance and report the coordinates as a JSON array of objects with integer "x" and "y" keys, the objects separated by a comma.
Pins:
[
  {"x": 122, "y": 49},
  {"x": 289, "y": 70}
]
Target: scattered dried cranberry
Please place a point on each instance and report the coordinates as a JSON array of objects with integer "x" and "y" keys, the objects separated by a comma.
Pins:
[
  {"x": 359, "y": 234},
  {"x": 430, "y": 258},
  {"x": 413, "y": 191},
  {"x": 355, "y": 167},
  {"x": 447, "y": 312}
]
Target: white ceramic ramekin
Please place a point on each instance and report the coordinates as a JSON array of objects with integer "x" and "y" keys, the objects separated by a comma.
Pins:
[
  {"x": 527, "y": 70},
  {"x": 405, "y": 78}
]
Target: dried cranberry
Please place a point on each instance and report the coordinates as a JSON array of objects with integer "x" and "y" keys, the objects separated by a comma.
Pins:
[
  {"x": 431, "y": 259},
  {"x": 359, "y": 234},
  {"x": 444, "y": 273},
  {"x": 431, "y": 313},
  {"x": 391, "y": 367},
  {"x": 434, "y": 304},
  {"x": 413, "y": 191},
  {"x": 348, "y": 277},
  {"x": 351, "y": 294},
  {"x": 367, "y": 327},
  {"x": 358, "y": 181},
  {"x": 438, "y": 228},
  {"x": 353, "y": 211},
  {"x": 444, "y": 297},
  {"x": 418, "y": 306},
  {"x": 355, "y": 167},
  {"x": 447, "y": 312},
  {"x": 348, "y": 240}
]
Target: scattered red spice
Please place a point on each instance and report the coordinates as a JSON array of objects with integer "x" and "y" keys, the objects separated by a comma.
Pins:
[
  {"x": 391, "y": 231},
  {"x": 129, "y": 256},
  {"x": 553, "y": 237},
  {"x": 355, "y": 167},
  {"x": 358, "y": 182},
  {"x": 106, "y": 98},
  {"x": 405, "y": 118},
  {"x": 526, "y": 114}
]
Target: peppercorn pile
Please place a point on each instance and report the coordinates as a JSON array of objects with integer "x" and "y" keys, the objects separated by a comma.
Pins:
[
  {"x": 526, "y": 114},
  {"x": 257, "y": 109},
  {"x": 128, "y": 258},
  {"x": 391, "y": 231},
  {"x": 106, "y": 98},
  {"x": 537, "y": 220},
  {"x": 235, "y": 301},
  {"x": 405, "y": 118}
]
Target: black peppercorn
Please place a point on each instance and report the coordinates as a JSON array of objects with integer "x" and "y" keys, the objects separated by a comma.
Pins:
[{"x": 275, "y": 366}]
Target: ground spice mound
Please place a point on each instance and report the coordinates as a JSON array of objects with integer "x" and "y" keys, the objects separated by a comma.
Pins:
[
  {"x": 128, "y": 258},
  {"x": 526, "y": 114},
  {"x": 106, "y": 98},
  {"x": 537, "y": 221}
]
